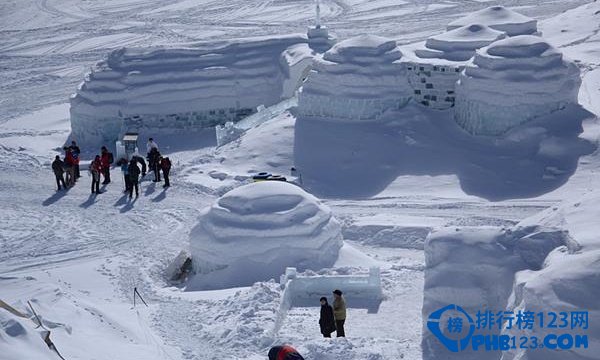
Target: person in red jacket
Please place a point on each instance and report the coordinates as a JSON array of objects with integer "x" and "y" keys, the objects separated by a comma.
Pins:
[
  {"x": 106, "y": 159},
  {"x": 70, "y": 163},
  {"x": 165, "y": 165},
  {"x": 96, "y": 170},
  {"x": 284, "y": 352}
]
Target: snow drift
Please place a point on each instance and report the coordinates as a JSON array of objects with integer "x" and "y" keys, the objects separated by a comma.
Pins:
[
  {"x": 357, "y": 80},
  {"x": 512, "y": 81},
  {"x": 254, "y": 232},
  {"x": 499, "y": 18}
]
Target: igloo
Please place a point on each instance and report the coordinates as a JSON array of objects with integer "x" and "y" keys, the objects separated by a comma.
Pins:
[
  {"x": 459, "y": 44},
  {"x": 255, "y": 231},
  {"x": 356, "y": 80},
  {"x": 512, "y": 81},
  {"x": 498, "y": 18}
]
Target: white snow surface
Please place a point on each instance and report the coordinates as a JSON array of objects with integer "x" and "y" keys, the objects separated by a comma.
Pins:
[
  {"x": 499, "y": 18},
  {"x": 255, "y": 231},
  {"x": 77, "y": 258},
  {"x": 512, "y": 81},
  {"x": 358, "y": 79}
]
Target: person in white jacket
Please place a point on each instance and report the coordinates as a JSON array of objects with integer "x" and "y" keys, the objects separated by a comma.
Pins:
[{"x": 150, "y": 145}]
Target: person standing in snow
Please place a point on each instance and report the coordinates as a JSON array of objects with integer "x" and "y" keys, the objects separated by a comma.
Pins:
[
  {"x": 76, "y": 153},
  {"x": 165, "y": 165},
  {"x": 326, "y": 320},
  {"x": 153, "y": 158},
  {"x": 96, "y": 170},
  {"x": 107, "y": 159},
  {"x": 284, "y": 352},
  {"x": 69, "y": 166},
  {"x": 140, "y": 160},
  {"x": 124, "y": 164},
  {"x": 339, "y": 312},
  {"x": 134, "y": 178},
  {"x": 58, "y": 169}
]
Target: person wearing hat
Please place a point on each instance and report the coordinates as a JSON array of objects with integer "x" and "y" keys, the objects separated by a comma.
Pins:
[
  {"x": 326, "y": 320},
  {"x": 339, "y": 312}
]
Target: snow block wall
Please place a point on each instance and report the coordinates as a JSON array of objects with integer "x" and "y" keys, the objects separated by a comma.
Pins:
[
  {"x": 498, "y": 18},
  {"x": 180, "y": 89},
  {"x": 567, "y": 279},
  {"x": 255, "y": 231},
  {"x": 512, "y": 81},
  {"x": 472, "y": 269},
  {"x": 433, "y": 85},
  {"x": 356, "y": 80}
]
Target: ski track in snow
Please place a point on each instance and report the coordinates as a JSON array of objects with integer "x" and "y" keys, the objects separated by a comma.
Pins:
[{"x": 41, "y": 65}]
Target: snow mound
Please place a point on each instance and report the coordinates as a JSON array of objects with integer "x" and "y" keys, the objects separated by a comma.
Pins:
[
  {"x": 459, "y": 44},
  {"x": 512, "y": 81},
  {"x": 499, "y": 18},
  {"x": 255, "y": 231},
  {"x": 19, "y": 339},
  {"x": 180, "y": 88},
  {"x": 357, "y": 79}
]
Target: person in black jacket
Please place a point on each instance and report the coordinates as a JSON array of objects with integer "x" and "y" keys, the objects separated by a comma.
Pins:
[
  {"x": 134, "y": 178},
  {"x": 58, "y": 167},
  {"x": 76, "y": 153},
  {"x": 326, "y": 320}
]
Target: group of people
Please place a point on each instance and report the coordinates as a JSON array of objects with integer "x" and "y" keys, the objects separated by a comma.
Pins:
[
  {"x": 332, "y": 319},
  {"x": 100, "y": 167},
  {"x": 66, "y": 171}
]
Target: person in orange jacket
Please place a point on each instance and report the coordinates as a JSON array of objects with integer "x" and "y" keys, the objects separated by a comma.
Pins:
[{"x": 96, "y": 170}]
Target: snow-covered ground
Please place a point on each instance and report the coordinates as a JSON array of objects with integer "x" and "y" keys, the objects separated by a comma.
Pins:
[{"x": 77, "y": 257}]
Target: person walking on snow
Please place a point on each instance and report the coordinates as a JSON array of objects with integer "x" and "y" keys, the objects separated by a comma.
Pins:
[
  {"x": 96, "y": 170},
  {"x": 58, "y": 168},
  {"x": 284, "y": 352},
  {"x": 134, "y": 177},
  {"x": 76, "y": 152},
  {"x": 107, "y": 159},
  {"x": 339, "y": 312},
  {"x": 165, "y": 165},
  {"x": 326, "y": 320}
]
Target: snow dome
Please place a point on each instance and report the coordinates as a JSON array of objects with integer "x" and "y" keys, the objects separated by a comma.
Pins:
[
  {"x": 512, "y": 81},
  {"x": 357, "y": 79},
  {"x": 498, "y": 18},
  {"x": 459, "y": 44},
  {"x": 255, "y": 231}
]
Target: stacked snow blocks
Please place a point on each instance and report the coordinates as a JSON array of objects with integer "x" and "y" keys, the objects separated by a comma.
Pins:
[
  {"x": 179, "y": 88},
  {"x": 511, "y": 82},
  {"x": 255, "y": 231},
  {"x": 470, "y": 268},
  {"x": 356, "y": 80}
]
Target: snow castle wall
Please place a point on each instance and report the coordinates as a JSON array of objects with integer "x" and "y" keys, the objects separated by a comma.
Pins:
[
  {"x": 358, "y": 79},
  {"x": 511, "y": 82},
  {"x": 183, "y": 89}
]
